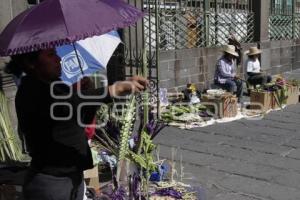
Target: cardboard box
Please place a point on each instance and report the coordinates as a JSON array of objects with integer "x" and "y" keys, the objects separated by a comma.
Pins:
[
  {"x": 91, "y": 173},
  {"x": 91, "y": 177},
  {"x": 293, "y": 95},
  {"x": 264, "y": 100},
  {"x": 93, "y": 183},
  {"x": 261, "y": 100},
  {"x": 224, "y": 106}
]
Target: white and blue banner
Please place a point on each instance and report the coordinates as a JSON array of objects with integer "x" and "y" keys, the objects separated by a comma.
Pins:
[{"x": 93, "y": 53}]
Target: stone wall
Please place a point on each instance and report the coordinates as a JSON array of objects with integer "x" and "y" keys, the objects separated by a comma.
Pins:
[
  {"x": 280, "y": 56},
  {"x": 179, "y": 67},
  {"x": 296, "y": 55}
]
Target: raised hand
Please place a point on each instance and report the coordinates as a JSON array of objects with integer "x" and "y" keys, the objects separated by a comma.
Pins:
[{"x": 134, "y": 84}]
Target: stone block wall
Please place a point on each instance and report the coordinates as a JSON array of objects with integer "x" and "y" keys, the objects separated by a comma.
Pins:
[
  {"x": 280, "y": 56},
  {"x": 296, "y": 55},
  {"x": 179, "y": 67}
]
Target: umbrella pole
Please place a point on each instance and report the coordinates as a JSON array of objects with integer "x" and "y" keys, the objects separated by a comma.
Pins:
[{"x": 80, "y": 66}]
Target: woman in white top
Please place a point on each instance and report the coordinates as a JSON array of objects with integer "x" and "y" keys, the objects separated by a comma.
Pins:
[{"x": 256, "y": 76}]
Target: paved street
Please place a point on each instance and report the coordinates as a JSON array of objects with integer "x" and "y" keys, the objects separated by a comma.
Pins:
[{"x": 241, "y": 160}]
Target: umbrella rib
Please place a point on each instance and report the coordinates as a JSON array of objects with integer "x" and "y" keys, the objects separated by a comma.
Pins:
[
  {"x": 73, "y": 43},
  {"x": 80, "y": 66},
  {"x": 60, "y": 7}
]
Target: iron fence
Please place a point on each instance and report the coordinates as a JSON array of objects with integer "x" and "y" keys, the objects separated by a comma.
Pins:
[
  {"x": 284, "y": 20},
  {"x": 197, "y": 23},
  {"x": 180, "y": 24}
]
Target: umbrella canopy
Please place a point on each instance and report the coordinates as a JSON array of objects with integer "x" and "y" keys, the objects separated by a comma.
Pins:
[
  {"x": 57, "y": 22},
  {"x": 93, "y": 54}
]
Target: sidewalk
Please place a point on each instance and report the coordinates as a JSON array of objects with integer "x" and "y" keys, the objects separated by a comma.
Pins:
[{"x": 241, "y": 160}]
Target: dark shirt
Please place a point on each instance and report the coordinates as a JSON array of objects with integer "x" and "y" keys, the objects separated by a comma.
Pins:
[
  {"x": 57, "y": 147},
  {"x": 238, "y": 49}
]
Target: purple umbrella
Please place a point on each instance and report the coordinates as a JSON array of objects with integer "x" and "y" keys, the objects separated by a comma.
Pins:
[{"x": 57, "y": 22}]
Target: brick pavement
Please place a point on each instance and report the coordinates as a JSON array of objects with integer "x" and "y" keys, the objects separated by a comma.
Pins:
[{"x": 241, "y": 160}]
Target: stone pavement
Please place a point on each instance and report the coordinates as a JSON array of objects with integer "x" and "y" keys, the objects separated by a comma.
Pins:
[{"x": 241, "y": 160}]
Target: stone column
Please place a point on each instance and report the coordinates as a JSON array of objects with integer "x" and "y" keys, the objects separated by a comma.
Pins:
[
  {"x": 261, "y": 20},
  {"x": 261, "y": 32}
]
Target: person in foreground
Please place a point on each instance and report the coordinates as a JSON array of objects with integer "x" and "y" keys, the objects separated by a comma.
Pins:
[
  {"x": 49, "y": 116},
  {"x": 225, "y": 74},
  {"x": 254, "y": 72}
]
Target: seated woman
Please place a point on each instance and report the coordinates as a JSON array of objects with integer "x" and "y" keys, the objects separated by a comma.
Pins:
[
  {"x": 255, "y": 75},
  {"x": 225, "y": 74}
]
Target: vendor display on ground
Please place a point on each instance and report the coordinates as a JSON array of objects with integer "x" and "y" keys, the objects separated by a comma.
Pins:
[
  {"x": 127, "y": 162},
  {"x": 219, "y": 106},
  {"x": 129, "y": 154}
]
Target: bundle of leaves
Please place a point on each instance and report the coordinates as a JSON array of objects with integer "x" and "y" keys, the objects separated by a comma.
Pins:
[
  {"x": 184, "y": 112},
  {"x": 10, "y": 145},
  {"x": 294, "y": 82}
]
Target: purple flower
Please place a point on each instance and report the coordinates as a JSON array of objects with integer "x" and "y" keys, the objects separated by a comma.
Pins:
[
  {"x": 136, "y": 138},
  {"x": 168, "y": 192},
  {"x": 150, "y": 127},
  {"x": 135, "y": 187},
  {"x": 113, "y": 130},
  {"x": 154, "y": 127},
  {"x": 117, "y": 194},
  {"x": 204, "y": 114}
]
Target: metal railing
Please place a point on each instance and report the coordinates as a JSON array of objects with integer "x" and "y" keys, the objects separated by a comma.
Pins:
[
  {"x": 198, "y": 23},
  {"x": 284, "y": 20}
]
